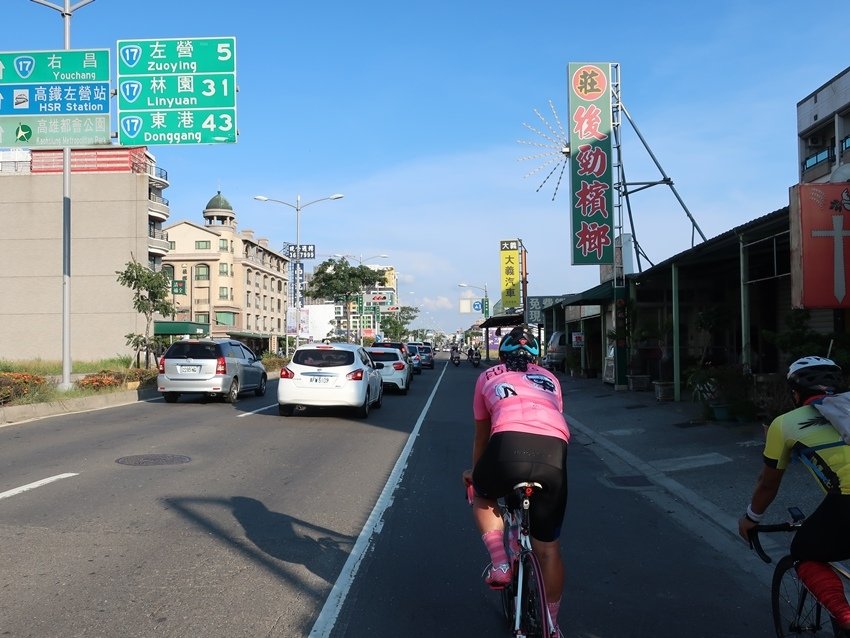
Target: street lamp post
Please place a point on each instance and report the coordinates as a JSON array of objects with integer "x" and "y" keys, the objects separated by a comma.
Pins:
[
  {"x": 298, "y": 206},
  {"x": 486, "y": 312}
]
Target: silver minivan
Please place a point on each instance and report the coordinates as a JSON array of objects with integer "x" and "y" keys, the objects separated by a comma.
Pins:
[
  {"x": 215, "y": 367},
  {"x": 556, "y": 352}
]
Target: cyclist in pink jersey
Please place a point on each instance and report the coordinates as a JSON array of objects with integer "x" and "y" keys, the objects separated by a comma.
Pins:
[{"x": 520, "y": 435}]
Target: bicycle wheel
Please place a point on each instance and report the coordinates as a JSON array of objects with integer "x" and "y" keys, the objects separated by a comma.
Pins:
[
  {"x": 533, "y": 620},
  {"x": 795, "y": 611}
]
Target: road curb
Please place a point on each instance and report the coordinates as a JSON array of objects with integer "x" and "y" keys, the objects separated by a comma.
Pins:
[{"x": 20, "y": 413}]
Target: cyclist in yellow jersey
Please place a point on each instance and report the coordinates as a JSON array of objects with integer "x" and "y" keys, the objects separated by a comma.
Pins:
[{"x": 806, "y": 434}]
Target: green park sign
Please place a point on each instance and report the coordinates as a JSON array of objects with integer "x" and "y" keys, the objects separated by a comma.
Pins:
[
  {"x": 177, "y": 91},
  {"x": 54, "y": 99}
]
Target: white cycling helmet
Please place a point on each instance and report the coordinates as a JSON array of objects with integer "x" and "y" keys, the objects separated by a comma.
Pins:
[{"x": 815, "y": 374}]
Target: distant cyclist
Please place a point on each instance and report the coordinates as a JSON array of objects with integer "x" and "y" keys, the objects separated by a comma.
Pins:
[
  {"x": 520, "y": 435},
  {"x": 825, "y": 535}
]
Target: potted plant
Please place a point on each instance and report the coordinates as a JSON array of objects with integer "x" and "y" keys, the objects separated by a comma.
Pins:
[{"x": 725, "y": 391}]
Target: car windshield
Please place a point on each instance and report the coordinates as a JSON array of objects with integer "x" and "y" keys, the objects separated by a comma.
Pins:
[
  {"x": 323, "y": 358},
  {"x": 192, "y": 350},
  {"x": 412, "y": 349},
  {"x": 424, "y": 350}
]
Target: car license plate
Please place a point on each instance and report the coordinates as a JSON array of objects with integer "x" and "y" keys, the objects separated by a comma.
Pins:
[
  {"x": 193, "y": 369},
  {"x": 319, "y": 379}
]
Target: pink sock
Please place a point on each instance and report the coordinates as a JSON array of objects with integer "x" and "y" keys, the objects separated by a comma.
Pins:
[{"x": 494, "y": 541}]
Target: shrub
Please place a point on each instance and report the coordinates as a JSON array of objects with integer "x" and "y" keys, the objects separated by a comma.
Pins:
[
  {"x": 101, "y": 380},
  {"x": 14, "y": 385}
]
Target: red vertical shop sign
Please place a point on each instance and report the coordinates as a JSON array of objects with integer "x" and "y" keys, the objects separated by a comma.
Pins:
[{"x": 820, "y": 255}]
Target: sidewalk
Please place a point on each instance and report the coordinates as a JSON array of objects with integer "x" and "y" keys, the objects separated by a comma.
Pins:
[{"x": 708, "y": 466}]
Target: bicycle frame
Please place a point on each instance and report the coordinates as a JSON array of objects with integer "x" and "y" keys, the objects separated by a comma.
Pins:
[{"x": 517, "y": 521}]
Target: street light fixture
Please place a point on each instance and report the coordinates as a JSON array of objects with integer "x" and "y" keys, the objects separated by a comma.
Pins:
[
  {"x": 486, "y": 313},
  {"x": 298, "y": 206}
]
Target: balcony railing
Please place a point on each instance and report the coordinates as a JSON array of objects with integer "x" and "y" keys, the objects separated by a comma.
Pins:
[
  {"x": 826, "y": 155},
  {"x": 150, "y": 169},
  {"x": 157, "y": 199},
  {"x": 155, "y": 233}
]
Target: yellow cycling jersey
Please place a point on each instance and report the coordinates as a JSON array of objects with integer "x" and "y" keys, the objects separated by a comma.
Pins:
[{"x": 806, "y": 433}]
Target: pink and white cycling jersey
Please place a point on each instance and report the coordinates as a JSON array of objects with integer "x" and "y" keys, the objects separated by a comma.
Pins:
[{"x": 529, "y": 401}]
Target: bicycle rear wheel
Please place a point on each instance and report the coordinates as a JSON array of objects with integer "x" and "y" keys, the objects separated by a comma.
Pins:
[
  {"x": 795, "y": 611},
  {"x": 533, "y": 620}
]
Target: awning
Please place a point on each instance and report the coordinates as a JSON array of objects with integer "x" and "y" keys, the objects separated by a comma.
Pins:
[
  {"x": 251, "y": 335},
  {"x": 591, "y": 297},
  {"x": 180, "y": 328},
  {"x": 498, "y": 321}
]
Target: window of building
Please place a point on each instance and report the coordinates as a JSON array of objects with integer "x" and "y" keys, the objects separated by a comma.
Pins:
[
  {"x": 225, "y": 318},
  {"x": 168, "y": 271},
  {"x": 223, "y": 245},
  {"x": 202, "y": 317},
  {"x": 247, "y": 299},
  {"x": 247, "y": 322},
  {"x": 202, "y": 272},
  {"x": 223, "y": 292},
  {"x": 172, "y": 245},
  {"x": 223, "y": 270},
  {"x": 248, "y": 276},
  {"x": 202, "y": 245}
]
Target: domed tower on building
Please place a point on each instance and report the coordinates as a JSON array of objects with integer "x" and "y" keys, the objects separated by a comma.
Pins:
[{"x": 219, "y": 212}]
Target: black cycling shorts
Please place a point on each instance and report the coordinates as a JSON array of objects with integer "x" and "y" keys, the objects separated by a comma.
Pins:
[
  {"x": 512, "y": 457},
  {"x": 825, "y": 535}
]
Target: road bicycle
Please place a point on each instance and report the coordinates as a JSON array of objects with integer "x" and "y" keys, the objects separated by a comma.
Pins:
[
  {"x": 524, "y": 598},
  {"x": 796, "y": 611}
]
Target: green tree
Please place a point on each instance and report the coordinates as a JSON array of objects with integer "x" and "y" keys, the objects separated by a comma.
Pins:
[
  {"x": 151, "y": 295},
  {"x": 338, "y": 280},
  {"x": 395, "y": 325}
]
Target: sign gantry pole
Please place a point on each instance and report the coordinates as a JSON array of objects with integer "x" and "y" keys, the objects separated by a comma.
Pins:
[{"x": 66, "y": 12}]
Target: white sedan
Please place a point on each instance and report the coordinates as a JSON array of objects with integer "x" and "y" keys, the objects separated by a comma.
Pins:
[{"x": 330, "y": 374}]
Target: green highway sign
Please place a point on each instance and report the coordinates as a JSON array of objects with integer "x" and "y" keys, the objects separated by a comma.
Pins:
[
  {"x": 177, "y": 91},
  {"x": 46, "y": 67},
  {"x": 54, "y": 99}
]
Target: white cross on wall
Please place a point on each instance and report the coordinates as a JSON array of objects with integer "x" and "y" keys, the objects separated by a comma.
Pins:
[{"x": 838, "y": 234}]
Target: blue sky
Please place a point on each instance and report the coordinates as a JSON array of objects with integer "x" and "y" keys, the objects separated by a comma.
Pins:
[{"x": 414, "y": 111}]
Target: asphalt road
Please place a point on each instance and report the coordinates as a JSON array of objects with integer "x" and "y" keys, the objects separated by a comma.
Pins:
[{"x": 260, "y": 532}]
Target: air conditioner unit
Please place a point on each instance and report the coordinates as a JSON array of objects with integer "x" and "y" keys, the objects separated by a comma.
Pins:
[{"x": 813, "y": 141}]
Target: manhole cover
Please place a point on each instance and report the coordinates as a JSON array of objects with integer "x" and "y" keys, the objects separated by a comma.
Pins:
[
  {"x": 630, "y": 480},
  {"x": 154, "y": 459}
]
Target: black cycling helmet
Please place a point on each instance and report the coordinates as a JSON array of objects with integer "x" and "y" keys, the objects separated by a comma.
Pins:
[
  {"x": 518, "y": 348},
  {"x": 815, "y": 375}
]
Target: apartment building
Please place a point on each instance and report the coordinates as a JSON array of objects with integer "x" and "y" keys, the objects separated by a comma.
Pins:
[
  {"x": 823, "y": 132},
  {"x": 117, "y": 211},
  {"x": 233, "y": 282}
]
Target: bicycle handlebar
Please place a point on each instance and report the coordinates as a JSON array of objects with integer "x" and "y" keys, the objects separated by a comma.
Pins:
[{"x": 755, "y": 543}]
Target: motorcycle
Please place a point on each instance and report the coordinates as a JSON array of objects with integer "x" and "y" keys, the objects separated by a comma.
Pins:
[
  {"x": 455, "y": 357},
  {"x": 476, "y": 359}
]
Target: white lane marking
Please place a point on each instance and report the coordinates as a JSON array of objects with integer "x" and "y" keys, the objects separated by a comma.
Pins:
[
  {"x": 268, "y": 407},
  {"x": 327, "y": 617},
  {"x": 689, "y": 462},
  {"x": 32, "y": 486}
]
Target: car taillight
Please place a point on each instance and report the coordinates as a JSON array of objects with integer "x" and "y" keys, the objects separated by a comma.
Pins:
[
  {"x": 357, "y": 375},
  {"x": 286, "y": 373},
  {"x": 398, "y": 365},
  {"x": 220, "y": 366},
  {"x": 162, "y": 365}
]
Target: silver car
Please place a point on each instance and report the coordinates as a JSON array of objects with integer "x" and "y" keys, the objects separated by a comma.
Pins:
[
  {"x": 215, "y": 367},
  {"x": 330, "y": 374}
]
